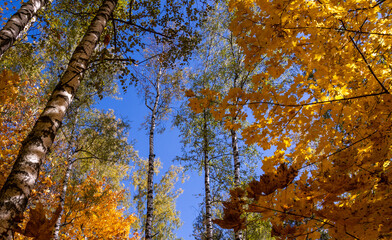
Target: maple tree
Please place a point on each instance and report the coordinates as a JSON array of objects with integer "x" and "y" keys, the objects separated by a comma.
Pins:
[
  {"x": 20, "y": 101},
  {"x": 11, "y": 102},
  {"x": 323, "y": 104},
  {"x": 93, "y": 209},
  {"x": 95, "y": 141}
]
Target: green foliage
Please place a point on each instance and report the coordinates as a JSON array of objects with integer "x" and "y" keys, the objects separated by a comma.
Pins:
[
  {"x": 166, "y": 218},
  {"x": 257, "y": 229}
]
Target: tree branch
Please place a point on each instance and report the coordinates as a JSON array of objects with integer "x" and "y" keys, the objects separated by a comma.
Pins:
[
  {"x": 368, "y": 65},
  {"x": 364, "y": 58},
  {"x": 316, "y": 103},
  {"x": 341, "y": 30},
  {"x": 143, "y": 28}
]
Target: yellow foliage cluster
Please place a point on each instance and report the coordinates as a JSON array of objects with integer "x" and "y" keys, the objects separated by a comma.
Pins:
[
  {"x": 331, "y": 120},
  {"x": 96, "y": 213},
  {"x": 17, "y": 115},
  {"x": 9, "y": 86},
  {"x": 91, "y": 211}
]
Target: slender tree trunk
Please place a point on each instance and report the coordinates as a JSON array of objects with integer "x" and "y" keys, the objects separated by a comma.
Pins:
[
  {"x": 208, "y": 220},
  {"x": 150, "y": 180},
  {"x": 234, "y": 146},
  {"x": 236, "y": 157},
  {"x": 70, "y": 161},
  {"x": 19, "y": 22},
  {"x": 16, "y": 190},
  {"x": 62, "y": 198}
]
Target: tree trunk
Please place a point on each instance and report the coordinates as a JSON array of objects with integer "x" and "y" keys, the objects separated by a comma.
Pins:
[
  {"x": 70, "y": 161},
  {"x": 16, "y": 190},
  {"x": 236, "y": 157},
  {"x": 236, "y": 154},
  {"x": 19, "y": 22},
  {"x": 63, "y": 194},
  {"x": 150, "y": 180},
  {"x": 208, "y": 219}
]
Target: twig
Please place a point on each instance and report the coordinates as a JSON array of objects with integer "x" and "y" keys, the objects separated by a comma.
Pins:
[{"x": 143, "y": 28}]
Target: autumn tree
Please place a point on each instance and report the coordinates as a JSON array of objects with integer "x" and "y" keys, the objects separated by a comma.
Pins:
[
  {"x": 21, "y": 99},
  {"x": 166, "y": 219},
  {"x": 42, "y": 135},
  {"x": 95, "y": 142},
  {"x": 159, "y": 87},
  {"x": 329, "y": 123},
  {"x": 205, "y": 149},
  {"x": 17, "y": 114},
  {"x": 94, "y": 210},
  {"x": 197, "y": 136},
  {"x": 221, "y": 62}
]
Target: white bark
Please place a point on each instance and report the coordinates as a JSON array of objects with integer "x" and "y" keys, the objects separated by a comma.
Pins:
[
  {"x": 207, "y": 188},
  {"x": 19, "y": 22},
  {"x": 16, "y": 190},
  {"x": 151, "y": 158},
  {"x": 236, "y": 157},
  {"x": 63, "y": 194}
]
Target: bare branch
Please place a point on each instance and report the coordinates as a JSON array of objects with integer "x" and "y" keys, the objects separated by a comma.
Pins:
[{"x": 143, "y": 28}]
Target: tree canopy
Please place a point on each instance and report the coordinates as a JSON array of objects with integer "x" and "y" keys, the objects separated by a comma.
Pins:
[{"x": 298, "y": 92}]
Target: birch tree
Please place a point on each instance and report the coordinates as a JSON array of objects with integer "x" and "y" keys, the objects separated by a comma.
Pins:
[
  {"x": 166, "y": 219},
  {"x": 15, "y": 192},
  {"x": 19, "y": 22},
  {"x": 204, "y": 150},
  {"x": 159, "y": 88},
  {"x": 223, "y": 68}
]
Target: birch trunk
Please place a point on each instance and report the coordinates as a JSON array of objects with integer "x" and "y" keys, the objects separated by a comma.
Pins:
[
  {"x": 150, "y": 177},
  {"x": 208, "y": 220},
  {"x": 18, "y": 23},
  {"x": 16, "y": 190},
  {"x": 236, "y": 154},
  {"x": 62, "y": 198},
  {"x": 236, "y": 157},
  {"x": 70, "y": 161}
]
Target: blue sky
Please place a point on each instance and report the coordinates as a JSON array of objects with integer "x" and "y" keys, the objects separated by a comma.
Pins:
[{"x": 167, "y": 147}]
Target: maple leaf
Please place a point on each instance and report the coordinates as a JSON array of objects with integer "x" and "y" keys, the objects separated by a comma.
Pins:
[
  {"x": 233, "y": 210},
  {"x": 270, "y": 182},
  {"x": 39, "y": 227}
]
